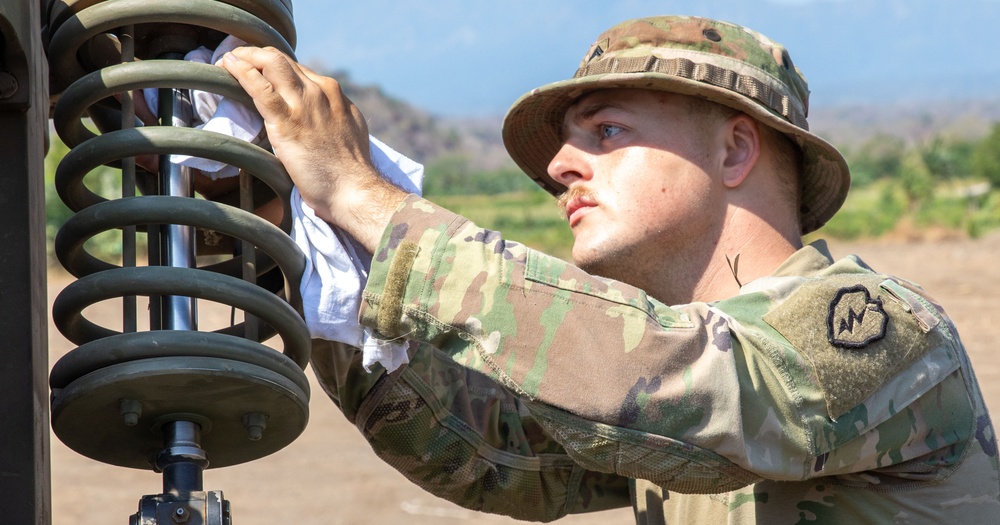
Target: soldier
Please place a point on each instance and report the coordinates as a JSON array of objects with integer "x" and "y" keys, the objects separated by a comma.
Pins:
[{"x": 698, "y": 353}]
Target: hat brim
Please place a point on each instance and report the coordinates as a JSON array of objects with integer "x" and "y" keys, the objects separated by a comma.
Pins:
[{"x": 532, "y": 129}]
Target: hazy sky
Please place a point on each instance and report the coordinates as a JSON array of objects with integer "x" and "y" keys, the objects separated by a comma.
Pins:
[{"x": 458, "y": 57}]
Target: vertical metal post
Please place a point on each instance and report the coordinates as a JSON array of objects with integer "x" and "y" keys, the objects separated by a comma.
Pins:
[
  {"x": 176, "y": 242},
  {"x": 129, "y": 315},
  {"x": 24, "y": 434}
]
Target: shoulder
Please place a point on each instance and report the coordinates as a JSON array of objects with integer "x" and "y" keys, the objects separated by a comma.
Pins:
[{"x": 857, "y": 329}]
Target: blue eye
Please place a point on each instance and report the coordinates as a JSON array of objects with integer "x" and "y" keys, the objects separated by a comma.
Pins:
[{"x": 609, "y": 130}]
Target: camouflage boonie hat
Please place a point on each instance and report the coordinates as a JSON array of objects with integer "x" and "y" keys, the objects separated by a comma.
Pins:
[{"x": 717, "y": 61}]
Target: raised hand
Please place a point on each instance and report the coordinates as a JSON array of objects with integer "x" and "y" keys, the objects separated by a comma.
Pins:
[{"x": 322, "y": 139}]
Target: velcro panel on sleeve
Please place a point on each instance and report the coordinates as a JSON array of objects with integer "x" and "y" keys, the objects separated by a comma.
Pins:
[
  {"x": 854, "y": 332},
  {"x": 395, "y": 285}
]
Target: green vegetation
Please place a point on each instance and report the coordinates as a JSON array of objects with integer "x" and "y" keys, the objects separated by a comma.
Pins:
[
  {"x": 530, "y": 217},
  {"x": 942, "y": 185},
  {"x": 455, "y": 174},
  {"x": 985, "y": 158}
]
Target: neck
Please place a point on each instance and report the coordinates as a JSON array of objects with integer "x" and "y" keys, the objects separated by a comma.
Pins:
[
  {"x": 704, "y": 275},
  {"x": 760, "y": 247}
]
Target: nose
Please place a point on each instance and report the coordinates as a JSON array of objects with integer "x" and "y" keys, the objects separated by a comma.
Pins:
[{"x": 570, "y": 164}]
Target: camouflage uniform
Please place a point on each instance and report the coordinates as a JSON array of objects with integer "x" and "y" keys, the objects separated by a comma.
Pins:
[{"x": 825, "y": 392}]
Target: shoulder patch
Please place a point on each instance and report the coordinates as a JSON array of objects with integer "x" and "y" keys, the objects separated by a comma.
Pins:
[
  {"x": 855, "y": 319},
  {"x": 855, "y": 333}
]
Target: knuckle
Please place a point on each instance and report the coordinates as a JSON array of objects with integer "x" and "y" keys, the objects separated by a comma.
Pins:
[{"x": 330, "y": 84}]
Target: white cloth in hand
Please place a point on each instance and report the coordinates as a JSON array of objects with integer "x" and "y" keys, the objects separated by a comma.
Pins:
[{"x": 337, "y": 268}]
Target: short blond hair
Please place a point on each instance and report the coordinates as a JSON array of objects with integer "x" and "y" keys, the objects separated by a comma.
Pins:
[{"x": 786, "y": 157}]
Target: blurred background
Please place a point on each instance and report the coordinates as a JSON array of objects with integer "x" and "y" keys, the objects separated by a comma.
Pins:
[{"x": 908, "y": 90}]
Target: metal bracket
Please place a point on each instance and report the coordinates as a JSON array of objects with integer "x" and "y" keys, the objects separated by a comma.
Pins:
[
  {"x": 193, "y": 508},
  {"x": 14, "y": 72}
]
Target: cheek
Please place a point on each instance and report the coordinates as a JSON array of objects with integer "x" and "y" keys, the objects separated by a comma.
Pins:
[{"x": 657, "y": 178}]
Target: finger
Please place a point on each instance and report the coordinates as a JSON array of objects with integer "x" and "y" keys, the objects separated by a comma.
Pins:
[
  {"x": 330, "y": 85},
  {"x": 142, "y": 108},
  {"x": 312, "y": 75},
  {"x": 268, "y": 101},
  {"x": 280, "y": 70}
]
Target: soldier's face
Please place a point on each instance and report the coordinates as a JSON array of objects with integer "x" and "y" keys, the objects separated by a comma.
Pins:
[{"x": 639, "y": 168}]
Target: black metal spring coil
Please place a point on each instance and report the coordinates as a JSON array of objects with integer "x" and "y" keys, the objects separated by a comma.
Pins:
[{"x": 112, "y": 394}]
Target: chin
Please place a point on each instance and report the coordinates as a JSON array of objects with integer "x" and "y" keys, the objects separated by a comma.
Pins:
[
  {"x": 612, "y": 261},
  {"x": 602, "y": 265}
]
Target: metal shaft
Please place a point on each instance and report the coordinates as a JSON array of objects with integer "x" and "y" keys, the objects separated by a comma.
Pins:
[
  {"x": 182, "y": 459},
  {"x": 176, "y": 241}
]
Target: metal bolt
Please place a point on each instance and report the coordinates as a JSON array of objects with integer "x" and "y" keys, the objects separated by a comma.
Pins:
[
  {"x": 255, "y": 423},
  {"x": 8, "y": 85},
  {"x": 130, "y": 410},
  {"x": 181, "y": 515}
]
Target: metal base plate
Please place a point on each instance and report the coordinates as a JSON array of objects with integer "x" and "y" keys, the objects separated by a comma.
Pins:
[{"x": 217, "y": 393}]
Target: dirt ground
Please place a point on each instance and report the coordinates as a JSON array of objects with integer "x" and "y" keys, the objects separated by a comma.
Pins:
[{"x": 330, "y": 476}]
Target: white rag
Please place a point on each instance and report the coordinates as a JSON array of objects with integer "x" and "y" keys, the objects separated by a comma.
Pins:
[
  {"x": 336, "y": 265},
  {"x": 337, "y": 268},
  {"x": 214, "y": 113}
]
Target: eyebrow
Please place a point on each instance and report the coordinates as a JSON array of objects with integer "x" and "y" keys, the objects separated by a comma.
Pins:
[
  {"x": 593, "y": 108},
  {"x": 587, "y": 112}
]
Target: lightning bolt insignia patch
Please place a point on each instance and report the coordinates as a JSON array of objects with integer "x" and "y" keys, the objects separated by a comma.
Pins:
[{"x": 855, "y": 319}]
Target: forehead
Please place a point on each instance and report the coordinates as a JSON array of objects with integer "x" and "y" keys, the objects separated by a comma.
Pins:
[{"x": 630, "y": 100}]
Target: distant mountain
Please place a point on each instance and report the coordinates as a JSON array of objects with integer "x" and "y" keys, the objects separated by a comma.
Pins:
[
  {"x": 847, "y": 125},
  {"x": 407, "y": 129},
  {"x": 426, "y": 138}
]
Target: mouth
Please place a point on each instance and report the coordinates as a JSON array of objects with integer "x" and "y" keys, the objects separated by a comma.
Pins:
[{"x": 577, "y": 207}]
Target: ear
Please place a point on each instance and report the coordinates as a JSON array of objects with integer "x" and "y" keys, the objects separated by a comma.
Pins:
[{"x": 742, "y": 149}]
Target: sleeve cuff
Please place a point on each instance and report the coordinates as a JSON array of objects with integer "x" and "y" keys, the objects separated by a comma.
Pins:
[{"x": 416, "y": 231}]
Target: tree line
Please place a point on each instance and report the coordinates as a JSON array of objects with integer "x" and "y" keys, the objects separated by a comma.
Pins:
[{"x": 945, "y": 183}]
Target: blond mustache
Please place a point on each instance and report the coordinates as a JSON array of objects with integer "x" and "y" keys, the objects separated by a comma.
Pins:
[{"x": 572, "y": 193}]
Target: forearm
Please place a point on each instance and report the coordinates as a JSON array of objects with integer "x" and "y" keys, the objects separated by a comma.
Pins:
[
  {"x": 363, "y": 210},
  {"x": 461, "y": 436}
]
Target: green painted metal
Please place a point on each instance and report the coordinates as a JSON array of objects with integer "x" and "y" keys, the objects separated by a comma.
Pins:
[
  {"x": 69, "y": 37},
  {"x": 98, "y": 85},
  {"x": 135, "y": 346},
  {"x": 113, "y": 394},
  {"x": 213, "y": 392},
  {"x": 158, "y": 280},
  {"x": 24, "y": 434}
]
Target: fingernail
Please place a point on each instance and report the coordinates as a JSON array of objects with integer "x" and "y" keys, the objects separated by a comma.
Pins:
[{"x": 230, "y": 57}]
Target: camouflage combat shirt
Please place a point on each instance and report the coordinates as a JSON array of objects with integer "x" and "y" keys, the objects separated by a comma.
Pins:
[{"x": 824, "y": 393}]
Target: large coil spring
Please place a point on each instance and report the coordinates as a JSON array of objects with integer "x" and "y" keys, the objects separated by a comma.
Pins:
[{"x": 114, "y": 392}]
